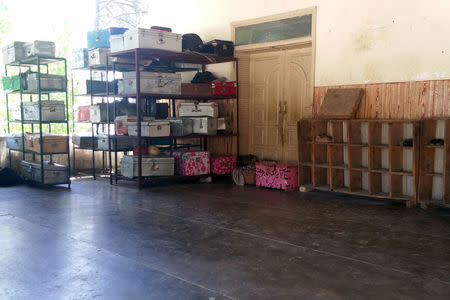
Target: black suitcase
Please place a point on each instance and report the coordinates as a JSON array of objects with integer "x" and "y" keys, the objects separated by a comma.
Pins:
[{"x": 219, "y": 48}]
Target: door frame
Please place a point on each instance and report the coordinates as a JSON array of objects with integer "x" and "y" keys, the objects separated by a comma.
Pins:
[
  {"x": 243, "y": 52},
  {"x": 304, "y": 41}
]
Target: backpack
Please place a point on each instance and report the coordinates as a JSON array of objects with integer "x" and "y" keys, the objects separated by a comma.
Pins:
[{"x": 192, "y": 42}]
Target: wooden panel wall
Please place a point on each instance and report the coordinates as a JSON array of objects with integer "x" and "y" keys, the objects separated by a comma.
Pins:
[{"x": 397, "y": 100}]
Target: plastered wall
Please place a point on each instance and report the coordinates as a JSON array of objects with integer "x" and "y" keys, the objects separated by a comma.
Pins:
[{"x": 358, "y": 41}]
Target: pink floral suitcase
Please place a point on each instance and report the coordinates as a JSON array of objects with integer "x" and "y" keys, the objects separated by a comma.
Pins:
[
  {"x": 277, "y": 175},
  {"x": 221, "y": 165},
  {"x": 192, "y": 163}
]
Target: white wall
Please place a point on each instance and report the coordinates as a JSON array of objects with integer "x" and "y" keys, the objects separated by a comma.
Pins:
[{"x": 358, "y": 41}]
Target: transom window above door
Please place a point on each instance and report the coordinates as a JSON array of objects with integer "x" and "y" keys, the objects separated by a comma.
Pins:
[{"x": 278, "y": 30}]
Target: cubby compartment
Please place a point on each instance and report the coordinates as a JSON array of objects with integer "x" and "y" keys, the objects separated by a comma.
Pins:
[
  {"x": 337, "y": 131},
  {"x": 433, "y": 131},
  {"x": 321, "y": 178},
  {"x": 431, "y": 188},
  {"x": 379, "y": 134},
  {"x": 359, "y": 132},
  {"x": 402, "y": 187},
  {"x": 320, "y": 129},
  {"x": 339, "y": 180},
  {"x": 379, "y": 184},
  {"x": 401, "y": 160},
  {"x": 305, "y": 175},
  {"x": 320, "y": 153},
  {"x": 359, "y": 182},
  {"x": 336, "y": 156},
  {"x": 401, "y": 134},
  {"x": 379, "y": 159},
  {"x": 432, "y": 162},
  {"x": 358, "y": 157}
]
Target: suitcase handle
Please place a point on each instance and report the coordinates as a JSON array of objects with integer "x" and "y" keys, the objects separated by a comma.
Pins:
[{"x": 201, "y": 123}]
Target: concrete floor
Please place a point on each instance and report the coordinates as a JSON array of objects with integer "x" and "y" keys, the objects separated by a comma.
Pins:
[{"x": 205, "y": 241}]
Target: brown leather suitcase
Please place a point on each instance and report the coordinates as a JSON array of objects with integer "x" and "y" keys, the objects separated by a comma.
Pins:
[
  {"x": 51, "y": 143},
  {"x": 196, "y": 89}
]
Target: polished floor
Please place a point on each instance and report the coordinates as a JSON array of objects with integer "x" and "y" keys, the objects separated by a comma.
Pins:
[{"x": 216, "y": 241}]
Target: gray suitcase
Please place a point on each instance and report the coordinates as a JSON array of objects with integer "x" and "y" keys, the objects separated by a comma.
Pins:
[
  {"x": 13, "y": 52},
  {"x": 180, "y": 127},
  {"x": 124, "y": 143},
  {"x": 51, "y": 111},
  {"x": 204, "y": 125},
  {"x": 151, "y": 166},
  {"x": 85, "y": 140},
  {"x": 225, "y": 124},
  {"x": 49, "y": 82},
  {"x": 14, "y": 141},
  {"x": 53, "y": 173},
  {"x": 41, "y": 48}
]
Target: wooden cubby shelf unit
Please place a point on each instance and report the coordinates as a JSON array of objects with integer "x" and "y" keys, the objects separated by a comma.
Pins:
[{"x": 364, "y": 157}]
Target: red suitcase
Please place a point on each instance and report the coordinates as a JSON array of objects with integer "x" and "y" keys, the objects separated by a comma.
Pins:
[
  {"x": 224, "y": 88},
  {"x": 84, "y": 114},
  {"x": 221, "y": 165}
]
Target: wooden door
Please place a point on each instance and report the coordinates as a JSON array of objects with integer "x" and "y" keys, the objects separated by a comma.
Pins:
[
  {"x": 297, "y": 97},
  {"x": 280, "y": 95}
]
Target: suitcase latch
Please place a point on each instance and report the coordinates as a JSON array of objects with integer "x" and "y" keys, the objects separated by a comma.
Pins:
[
  {"x": 161, "y": 38},
  {"x": 158, "y": 127},
  {"x": 155, "y": 167}
]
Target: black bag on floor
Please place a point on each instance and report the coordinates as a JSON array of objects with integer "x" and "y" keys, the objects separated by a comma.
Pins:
[{"x": 8, "y": 177}]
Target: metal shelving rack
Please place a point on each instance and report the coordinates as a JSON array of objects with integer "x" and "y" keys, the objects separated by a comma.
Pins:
[
  {"x": 94, "y": 125},
  {"x": 138, "y": 55},
  {"x": 39, "y": 62}
]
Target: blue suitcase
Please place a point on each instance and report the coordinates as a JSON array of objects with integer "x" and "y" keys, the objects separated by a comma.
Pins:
[
  {"x": 100, "y": 39},
  {"x": 80, "y": 58}
]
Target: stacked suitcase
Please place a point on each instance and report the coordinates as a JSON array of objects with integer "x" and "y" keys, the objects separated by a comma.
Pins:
[{"x": 151, "y": 166}]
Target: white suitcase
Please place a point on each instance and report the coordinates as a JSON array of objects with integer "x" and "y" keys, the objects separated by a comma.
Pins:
[
  {"x": 41, "y": 48},
  {"x": 49, "y": 82},
  {"x": 116, "y": 42},
  {"x": 204, "y": 125},
  {"x": 225, "y": 124},
  {"x": 14, "y": 141},
  {"x": 151, "y": 166},
  {"x": 151, "y": 83},
  {"x": 192, "y": 109},
  {"x": 151, "y": 129},
  {"x": 99, "y": 113},
  {"x": 53, "y": 173},
  {"x": 152, "y": 39},
  {"x": 97, "y": 56},
  {"x": 51, "y": 111},
  {"x": 13, "y": 52}
]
